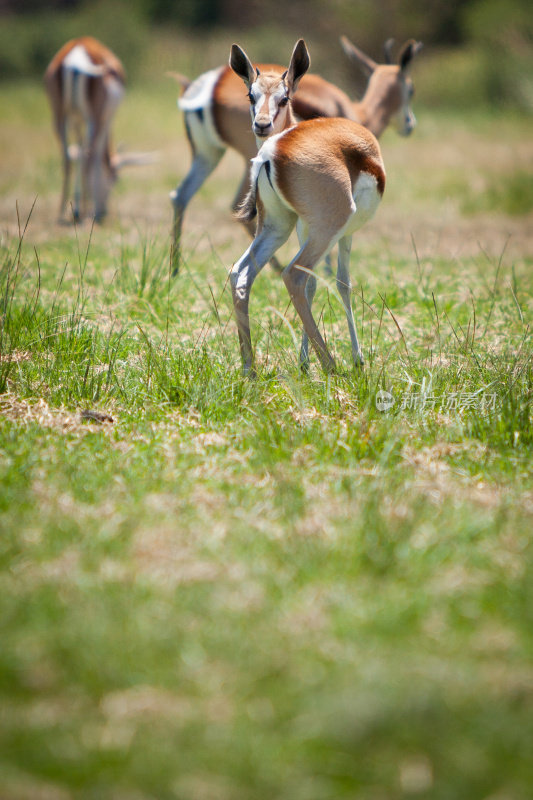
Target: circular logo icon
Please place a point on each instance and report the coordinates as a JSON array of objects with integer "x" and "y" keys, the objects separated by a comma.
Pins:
[{"x": 384, "y": 400}]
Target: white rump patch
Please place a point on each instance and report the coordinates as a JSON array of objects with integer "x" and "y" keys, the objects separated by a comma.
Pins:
[
  {"x": 78, "y": 59},
  {"x": 366, "y": 195},
  {"x": 200, "y": 93},
  {"x": 366, "y": 199}
]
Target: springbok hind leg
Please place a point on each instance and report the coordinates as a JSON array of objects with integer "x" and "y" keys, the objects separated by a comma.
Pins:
[
  {"x": 344, "y": 287},
  {"x": 66, "y": 172},
  {"x": 101, "y": 179},
  {"x": 81, "y": 175},
  {"x": 243, "y": 275},
  {"x": 296, "y": 277},
  {"x": 240, "y": 195}
]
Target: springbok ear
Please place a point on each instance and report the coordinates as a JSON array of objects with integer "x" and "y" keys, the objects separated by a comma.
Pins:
[
  {"x": 408, "y": 52},
  {"x": 299, "y": 64},
  {"x": 241, "y": 65},
  {"x": 367, "y": 64},
  {"x": 388, "y": 47}
]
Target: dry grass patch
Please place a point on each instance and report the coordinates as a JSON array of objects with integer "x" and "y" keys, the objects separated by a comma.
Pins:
[
  {"x": 15, "y": 357},
  {"x": 39, "y": 412},
  {"x": 143, "y": 701},
  {"x": 164, "y": 555},
  {"x": 26, "y": 788}
]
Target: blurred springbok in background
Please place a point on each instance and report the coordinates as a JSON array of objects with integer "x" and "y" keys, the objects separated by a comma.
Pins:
[
  {"x": 85, "y": 83},
  {"x": 217, "y": 116},
  {"x": 325, "y": 175}
]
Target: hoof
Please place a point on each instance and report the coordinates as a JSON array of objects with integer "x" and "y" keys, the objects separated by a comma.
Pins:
[
  {"x": 175, "y": 261},
  {"x": 249, "y": 372},
  {"x": 305, "y": 366}
]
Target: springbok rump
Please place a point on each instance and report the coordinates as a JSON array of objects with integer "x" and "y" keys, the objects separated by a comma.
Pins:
[
  {"x": 85, "y": 84},
  {"x": 327, "y": 175},
  {"x": 217, "y": 116}
]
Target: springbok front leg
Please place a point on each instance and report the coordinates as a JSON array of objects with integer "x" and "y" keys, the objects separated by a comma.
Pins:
[
  {"x": 310, "y": 290},
  {"x": 344, "y": 287}
]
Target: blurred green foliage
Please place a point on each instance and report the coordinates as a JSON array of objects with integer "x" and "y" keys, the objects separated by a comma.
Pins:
[
  {"x": 477, "y": 52},
  {"x": 503, "y": 34},
  {"x": 28, "y": 41},
  {"x": 513, "y": 196}
]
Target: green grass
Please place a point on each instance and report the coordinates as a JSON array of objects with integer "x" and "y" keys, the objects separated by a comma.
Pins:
[{"x": 269, "y": 588}]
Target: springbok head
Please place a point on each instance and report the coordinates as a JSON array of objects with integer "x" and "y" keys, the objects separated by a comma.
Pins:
[
  {"x": 269, "y": 91},
  {"x": 389, "y": 84}
]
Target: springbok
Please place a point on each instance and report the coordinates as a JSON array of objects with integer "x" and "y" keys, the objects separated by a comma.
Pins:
[
  {"x": 325, "y": 174},
  {"x": 85, "y": 85},
  {"x": 217, "y": 116}
]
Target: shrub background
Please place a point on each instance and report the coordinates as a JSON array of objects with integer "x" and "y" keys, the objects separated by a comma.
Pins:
[{"x": 478, "y": 52}]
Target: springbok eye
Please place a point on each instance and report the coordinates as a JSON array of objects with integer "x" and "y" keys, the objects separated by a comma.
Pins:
[
  {"x": 251, "y": 98},
  {"x": 283, "y": 101}
]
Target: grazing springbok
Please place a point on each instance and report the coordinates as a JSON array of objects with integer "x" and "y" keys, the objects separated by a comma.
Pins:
[
  {"x": 325, "y": 174},
  {"x": 217, "y": 116},
  {"x": 85, "y": 85}
]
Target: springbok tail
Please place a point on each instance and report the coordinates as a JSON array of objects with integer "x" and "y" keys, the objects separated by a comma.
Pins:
[
  {"x": 183, "y": 80},
  {"x": 119, "y": 160},
  {"x": 247, "y": 211}
]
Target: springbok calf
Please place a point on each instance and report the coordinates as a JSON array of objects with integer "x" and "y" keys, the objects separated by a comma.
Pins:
[
  {"x": 85, "y": 85},
  {"x": 217, "y": 116},
  {"x": 325, "y": 174}
]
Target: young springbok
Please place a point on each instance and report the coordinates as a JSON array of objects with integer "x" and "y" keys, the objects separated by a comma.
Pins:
[
  {"x": 325, "y": 174},
  {"x": 85, "y": 85},
  {"x": 217, "y": 116}
]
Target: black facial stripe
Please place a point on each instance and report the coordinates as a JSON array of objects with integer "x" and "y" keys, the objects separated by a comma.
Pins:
[{"x": 281, "y": 104}]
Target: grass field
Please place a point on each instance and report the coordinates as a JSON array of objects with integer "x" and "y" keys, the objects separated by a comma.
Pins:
[{"x": 239, "y": 589}]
